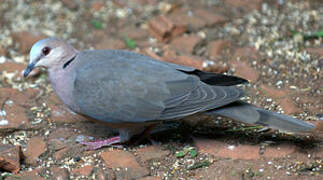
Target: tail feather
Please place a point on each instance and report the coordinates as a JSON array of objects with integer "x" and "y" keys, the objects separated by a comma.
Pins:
[{"x": 247, "y": 113}]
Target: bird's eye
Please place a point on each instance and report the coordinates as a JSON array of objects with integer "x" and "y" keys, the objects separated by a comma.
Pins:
[{"x": 46, "y": 50}]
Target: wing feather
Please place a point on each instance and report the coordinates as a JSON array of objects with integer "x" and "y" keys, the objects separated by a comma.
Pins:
[
  {"x": 121, "y": 86},
  {"x": 202, "y": 99}
]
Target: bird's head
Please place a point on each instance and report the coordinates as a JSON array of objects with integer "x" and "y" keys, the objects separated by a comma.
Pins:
[{"x": 48, "y": 53}]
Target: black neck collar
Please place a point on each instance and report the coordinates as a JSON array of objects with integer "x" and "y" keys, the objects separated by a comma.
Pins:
[{"x": 68, "y": 62}]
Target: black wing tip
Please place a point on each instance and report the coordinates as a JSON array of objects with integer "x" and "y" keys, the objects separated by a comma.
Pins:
[
  {"x": 234, "y": 80},
  {"x": 216, "y": 78},
  {"x": 228, "y": 83},
  {"x": 243, "y": 81}
]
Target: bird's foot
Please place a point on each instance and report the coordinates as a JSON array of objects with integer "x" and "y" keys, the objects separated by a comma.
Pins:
[{"x": 98, "y": 144}]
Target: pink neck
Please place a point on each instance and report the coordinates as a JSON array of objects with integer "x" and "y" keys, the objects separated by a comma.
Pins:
[{"x": 62, "y": 81}]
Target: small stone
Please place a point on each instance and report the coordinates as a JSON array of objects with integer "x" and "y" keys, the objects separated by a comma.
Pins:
[
  {"x": 10, "y": 157},
  {"x": 35, "y": 148},
  {"x": 151, "y": 152},
  {"x": 216, "y": 47},
  {"x": 118, "y": 158},
  {"x": 187, "y": 44}
]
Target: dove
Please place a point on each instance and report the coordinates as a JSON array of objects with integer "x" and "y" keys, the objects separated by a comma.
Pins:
[{"x": 131, "y": 92}]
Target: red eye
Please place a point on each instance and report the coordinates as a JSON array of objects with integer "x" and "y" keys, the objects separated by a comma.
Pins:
[{"x": 46, "y": 50}]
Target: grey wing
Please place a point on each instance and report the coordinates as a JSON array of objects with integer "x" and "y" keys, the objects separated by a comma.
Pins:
[
  {"x": 201, "y": 99},
  {"x": 137, "y": 92},
  {"x": 123, "y": 91}
]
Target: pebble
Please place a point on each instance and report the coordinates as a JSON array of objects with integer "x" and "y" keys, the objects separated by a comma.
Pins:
[
  {"x": 4, "y": 122},
  {"x": 2, "y": 59}
]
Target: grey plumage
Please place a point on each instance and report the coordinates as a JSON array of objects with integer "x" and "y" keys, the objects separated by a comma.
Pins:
[
  {"x": 128, "y": 90},
  {"x": 133, "y": 88}
]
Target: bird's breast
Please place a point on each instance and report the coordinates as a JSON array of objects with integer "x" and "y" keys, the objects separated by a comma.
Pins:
[{"x": 62, "y": 81}]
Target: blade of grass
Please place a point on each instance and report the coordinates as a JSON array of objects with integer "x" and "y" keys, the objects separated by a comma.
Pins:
[
  {"x": 180, "y": 154},
  {"x": 200, "y": 164},
  {"x": 96, "y": 24},
  {"x": 130, "y": 43},
  {"x": 314, "y": 35}
]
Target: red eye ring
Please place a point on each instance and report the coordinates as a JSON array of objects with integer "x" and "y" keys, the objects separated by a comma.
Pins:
[{"x": 46, "y": 50}]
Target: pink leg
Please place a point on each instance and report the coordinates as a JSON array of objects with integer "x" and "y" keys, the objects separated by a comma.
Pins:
[{"x": 98, "y": 144}]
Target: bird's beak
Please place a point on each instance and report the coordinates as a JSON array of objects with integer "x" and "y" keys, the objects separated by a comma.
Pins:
[{"x": 29, "y": 68}]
